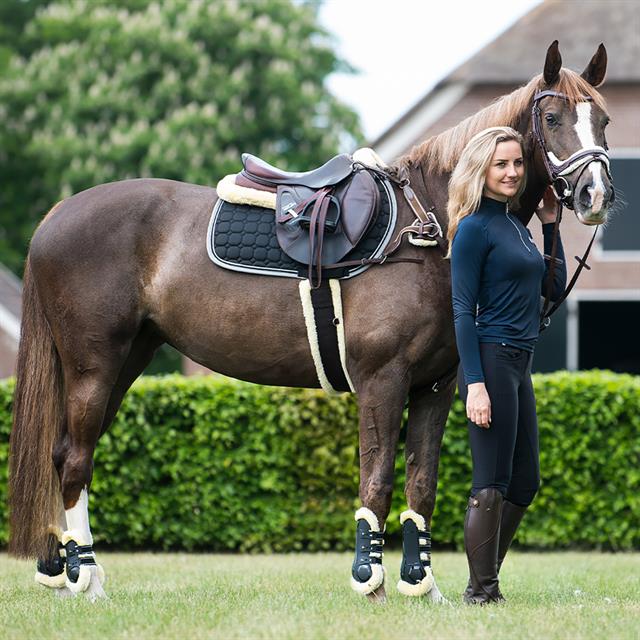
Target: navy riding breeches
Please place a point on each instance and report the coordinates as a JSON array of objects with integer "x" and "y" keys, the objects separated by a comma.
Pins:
[{"x": 506, "y": 455}]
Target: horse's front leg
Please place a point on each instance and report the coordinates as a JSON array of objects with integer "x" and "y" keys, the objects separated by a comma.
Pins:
[
  {"x": 381, "y": 401},
  {"x": 428, "y": 413}
]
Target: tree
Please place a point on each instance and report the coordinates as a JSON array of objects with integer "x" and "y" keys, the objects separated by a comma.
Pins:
[{"x": 176, "y": 89}]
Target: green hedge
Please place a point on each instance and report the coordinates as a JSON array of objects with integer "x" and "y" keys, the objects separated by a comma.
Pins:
[{"x": 204, "y": 463}]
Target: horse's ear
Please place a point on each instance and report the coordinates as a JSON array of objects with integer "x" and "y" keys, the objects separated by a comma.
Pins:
[
  {"x": 552, "y": 63},
  {"x": 597, "y": 68}
]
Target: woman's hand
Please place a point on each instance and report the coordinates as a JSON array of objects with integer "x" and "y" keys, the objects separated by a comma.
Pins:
[
  {"x": 478, "y": 405},
  {"x": 546, "y": 211}
]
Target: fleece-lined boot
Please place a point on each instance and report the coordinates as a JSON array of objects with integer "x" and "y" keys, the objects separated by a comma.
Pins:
[
  {"x": 481, "y": 541},
  {"x": 367, "y": 573}
]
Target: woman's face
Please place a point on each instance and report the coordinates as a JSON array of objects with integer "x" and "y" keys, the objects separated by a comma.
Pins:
[{"x": 506, "y": 171}]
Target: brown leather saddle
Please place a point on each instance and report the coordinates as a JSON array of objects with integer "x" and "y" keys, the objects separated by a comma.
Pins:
[{"x": 321, "y": 214}]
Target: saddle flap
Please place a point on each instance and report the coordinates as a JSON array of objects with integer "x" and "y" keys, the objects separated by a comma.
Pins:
[
  {"x": 356, "y": 202},
  {"x": 359, "y": 204}
]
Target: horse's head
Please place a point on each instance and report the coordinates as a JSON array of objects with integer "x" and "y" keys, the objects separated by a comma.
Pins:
[{"x": 568, "y": 123}]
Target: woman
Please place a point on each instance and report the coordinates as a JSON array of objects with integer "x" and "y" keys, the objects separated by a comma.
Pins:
[{"x": 498, "y": 277}]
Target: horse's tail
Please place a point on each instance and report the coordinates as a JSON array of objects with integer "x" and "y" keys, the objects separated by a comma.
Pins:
[{"x": 35, "y": 501}]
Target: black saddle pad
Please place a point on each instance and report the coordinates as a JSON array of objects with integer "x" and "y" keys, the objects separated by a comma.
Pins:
[{"x": 243, "y": 238}]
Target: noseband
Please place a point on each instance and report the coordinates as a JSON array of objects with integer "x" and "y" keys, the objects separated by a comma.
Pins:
[{"x": 557, "y": 171}]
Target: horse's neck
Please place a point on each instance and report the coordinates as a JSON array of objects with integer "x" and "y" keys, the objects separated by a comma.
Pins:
[{"x": 431, "y": 187}]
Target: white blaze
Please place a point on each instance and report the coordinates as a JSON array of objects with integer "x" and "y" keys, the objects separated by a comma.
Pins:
[
  {"x": 585, "y": 135},
  {"x": 597, "y": 191},
  {"x": 583, "y": 125}
]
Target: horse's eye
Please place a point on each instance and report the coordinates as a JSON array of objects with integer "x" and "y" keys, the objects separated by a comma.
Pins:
[{"x": 550, "y": 118}]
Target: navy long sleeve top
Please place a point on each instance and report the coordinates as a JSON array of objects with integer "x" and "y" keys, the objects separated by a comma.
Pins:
[{"x": 498, "y": 277}]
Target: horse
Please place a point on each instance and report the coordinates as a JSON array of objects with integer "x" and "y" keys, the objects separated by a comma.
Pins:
[{"x": 117, "y": 270}]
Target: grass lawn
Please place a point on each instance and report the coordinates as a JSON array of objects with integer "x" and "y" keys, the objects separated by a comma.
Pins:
[{"x": 553, "y": 595}]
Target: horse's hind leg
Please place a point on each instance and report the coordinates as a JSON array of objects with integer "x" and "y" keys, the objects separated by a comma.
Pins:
[
  {"x": 428, "y": 413},
  {"x": 88, "y": 394},
  {"x": 381, "y": 402}
]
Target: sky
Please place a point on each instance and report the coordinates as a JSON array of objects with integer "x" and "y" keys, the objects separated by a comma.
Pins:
[{"x": 402, "y": 48}]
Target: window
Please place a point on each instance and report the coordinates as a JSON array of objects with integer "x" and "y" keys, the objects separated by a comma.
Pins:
[{"x": 620, "y": 240}]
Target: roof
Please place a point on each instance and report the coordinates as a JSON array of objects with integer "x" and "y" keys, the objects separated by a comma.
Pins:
[{"x": 518, "y": 54}]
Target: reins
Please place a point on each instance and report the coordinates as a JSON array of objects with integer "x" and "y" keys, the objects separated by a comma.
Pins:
[{"x": 564, "y": 194}]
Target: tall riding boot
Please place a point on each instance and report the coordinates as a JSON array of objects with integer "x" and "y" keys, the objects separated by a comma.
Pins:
[
  {"x": 512, "y": 515},
  {"x": 481, "y": 538}
]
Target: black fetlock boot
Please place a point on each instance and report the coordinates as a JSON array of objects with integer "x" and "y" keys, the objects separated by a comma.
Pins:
[
  {"x": 367, "y": 574},
  {"x": 416, "y": 578},
  {"x": 512, "y": 515},
  {"x": 481, "y": 539},
  {"x": 50, "y": 569}
]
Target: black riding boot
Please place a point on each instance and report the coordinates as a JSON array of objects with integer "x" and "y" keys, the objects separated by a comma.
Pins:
[
  {"x": 481, "y": 539},
  {"x": 512, "y": 515}
]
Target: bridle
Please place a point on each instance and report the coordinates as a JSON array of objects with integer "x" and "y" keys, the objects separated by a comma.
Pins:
[
  {"x": 564, "y": 192},
  {"x": 557, "y": 170}
]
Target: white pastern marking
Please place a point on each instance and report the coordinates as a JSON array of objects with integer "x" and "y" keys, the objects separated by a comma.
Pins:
[
  {"x": 78, "y": 518},
  {"x": 597, "y": 191},
  {"x": 583, "y": 125}
]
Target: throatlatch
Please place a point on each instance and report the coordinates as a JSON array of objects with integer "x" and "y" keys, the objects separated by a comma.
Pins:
[
  {"x": 416, "y": 578},
  {"x": 367, "y": 573}
]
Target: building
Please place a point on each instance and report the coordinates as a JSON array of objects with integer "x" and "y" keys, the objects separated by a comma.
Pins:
[
  {"x": 596, "y": 328},
  {"x": 10, "y": 314}
]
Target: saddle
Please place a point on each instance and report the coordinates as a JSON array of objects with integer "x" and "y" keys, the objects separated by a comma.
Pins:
[{"x": 321, "y": 214}]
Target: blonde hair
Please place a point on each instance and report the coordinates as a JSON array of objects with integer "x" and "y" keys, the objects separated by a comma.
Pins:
[{"x": 468, "y": 177}]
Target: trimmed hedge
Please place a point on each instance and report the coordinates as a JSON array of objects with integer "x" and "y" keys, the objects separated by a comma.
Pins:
[{"x": 206, "y": 463}]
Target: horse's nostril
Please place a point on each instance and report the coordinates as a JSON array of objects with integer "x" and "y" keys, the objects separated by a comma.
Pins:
[{"x": 585, "y": 197}]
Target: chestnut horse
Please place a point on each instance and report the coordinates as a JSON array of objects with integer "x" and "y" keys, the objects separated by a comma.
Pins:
[{"x": 121, "y": 268}]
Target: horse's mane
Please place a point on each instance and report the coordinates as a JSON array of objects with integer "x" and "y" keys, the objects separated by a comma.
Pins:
[{"x": 441, "y": 153}]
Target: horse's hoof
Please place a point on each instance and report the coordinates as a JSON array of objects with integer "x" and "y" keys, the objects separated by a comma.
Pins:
[
  {"x": 94, "y": 590},
  {"x": 379, "y": 596},
  {"x": 436, "y": 596},
  {"x": 90, "y": 581},
  {"x": 65, "y": 592}
]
